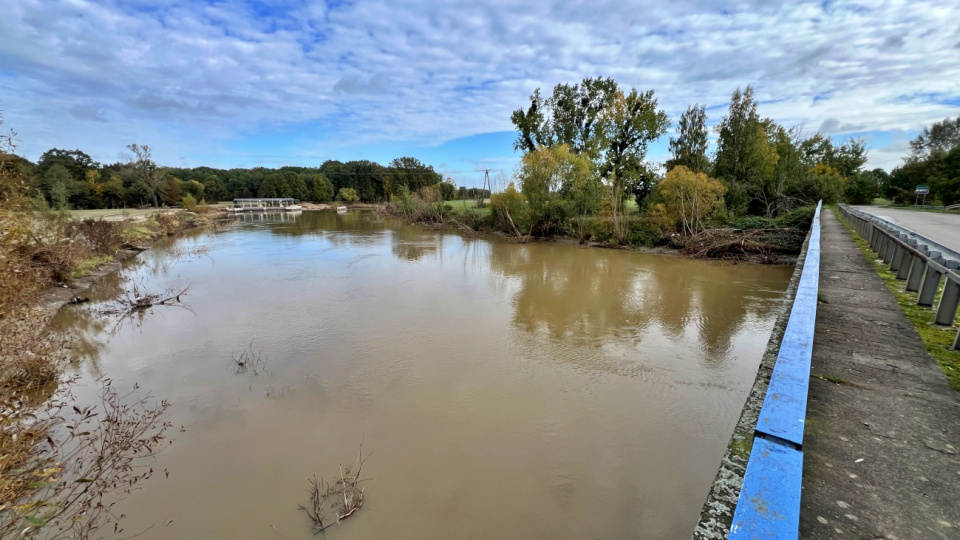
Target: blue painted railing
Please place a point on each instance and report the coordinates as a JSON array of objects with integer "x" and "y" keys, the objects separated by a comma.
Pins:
[{"x": 769, "y": 503}]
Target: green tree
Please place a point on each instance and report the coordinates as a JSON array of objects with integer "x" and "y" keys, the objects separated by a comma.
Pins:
[
  {"x": 939, "y": 137},
  {"x": 689, "y": 198},
  {"x": 448, "y": 191},
  {"x": 848, "y": 158},
  {"x": 581, "y": 190},
  {"x": 194, "y": 189},
  {"x": 298, "y": 187},
  {"x": 509, "y": 210},
  {"x": 274, "y": 185},
  {"x": 56, "y": 180},
  {"x": 113, "y": 193},
  {"x": 947, "y": 185},
  {"x": 624, "y": 131},
  {"x": 348, "y": 195},
  {"x": 540, "y": 179},
  {"x": 76, "y": 162},
  {"x": 321, "y": 189},
  {"x": 597, "y": 119},
  {"x": 146, "y": 171},
  {"x": 568, "y": 116},
  {"x": 173, "y": 194},
  {"x": 826, "y": 184},
  {"x": 409, "y": 172},
  {"x": 904, "y": 179},
  {"x": 744, "y": 156},
  {"x": 689, "y": 147},
  {"x": 777, "y": 193},
  {"x": 214, "y": 189},
  {"x": 862, "y": 188}
]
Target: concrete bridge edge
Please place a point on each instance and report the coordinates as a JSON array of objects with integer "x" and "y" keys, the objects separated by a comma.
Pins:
[{"x": 717, "y": 512}]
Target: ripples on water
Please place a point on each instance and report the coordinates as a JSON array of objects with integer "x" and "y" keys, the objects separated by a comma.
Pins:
[{"x": 519, "y": 391}]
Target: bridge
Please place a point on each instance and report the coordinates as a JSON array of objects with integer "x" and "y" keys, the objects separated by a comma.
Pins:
[{"x": 851, "y": 429}]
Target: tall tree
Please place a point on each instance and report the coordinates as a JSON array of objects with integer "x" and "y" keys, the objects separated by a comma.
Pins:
[
  {"x": 76, "y": 162},
  {"x": 624, "y": 131},
  {"x": 689, "y": 147},
  {"x": 568, "y": 116},
  {"x": 744, "y": 154},
  {"x": 57, "y": 181},
  {"x": 146, "y": 171},
  {"x": 940, "y": 137},
  {"x": 409, "y": 172}
]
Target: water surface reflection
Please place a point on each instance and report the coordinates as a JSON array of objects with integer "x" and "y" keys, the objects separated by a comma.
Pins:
[{"x": 540, "y": 390}]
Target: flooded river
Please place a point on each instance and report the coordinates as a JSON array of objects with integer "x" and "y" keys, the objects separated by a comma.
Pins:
[{"x": 500, "y": 390}]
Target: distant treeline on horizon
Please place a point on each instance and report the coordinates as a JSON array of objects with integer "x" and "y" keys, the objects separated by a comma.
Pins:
[{"x": 72, "y": 179}]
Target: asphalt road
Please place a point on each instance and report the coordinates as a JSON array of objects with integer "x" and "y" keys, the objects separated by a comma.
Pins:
[{"x": 943, "y": 228}]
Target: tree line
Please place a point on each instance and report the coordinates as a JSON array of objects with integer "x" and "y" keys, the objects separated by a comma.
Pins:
[
  {"x": 934, "y": 161},
  {"x": 584, "y": 157},
  {"x": 72, "y": 179}
]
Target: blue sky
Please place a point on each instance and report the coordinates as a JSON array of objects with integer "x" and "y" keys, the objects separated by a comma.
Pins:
[{"x": 275, "y": 82}]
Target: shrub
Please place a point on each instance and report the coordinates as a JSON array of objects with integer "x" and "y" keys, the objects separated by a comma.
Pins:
[
  {"x": 348, "y": 195},
  {"x": 510, "y": 211},
  {"x": 801, "y": 218},
  {"x": 689, "y": 198},
  {"x": 644, "y": 231},
  {"x": 103, "y": 237},
  {"x": 753, "y": 222}
]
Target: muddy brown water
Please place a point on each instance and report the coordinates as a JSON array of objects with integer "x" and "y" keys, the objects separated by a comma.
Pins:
[{"x": 500, "y": 390}]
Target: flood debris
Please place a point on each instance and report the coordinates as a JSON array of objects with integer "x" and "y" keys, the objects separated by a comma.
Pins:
[
  {"x": 250, "y": 360},
  {"x": 342, "y": 498},
  {"x": 135, "y": 299},
  {"x": 763, "y": 245}
]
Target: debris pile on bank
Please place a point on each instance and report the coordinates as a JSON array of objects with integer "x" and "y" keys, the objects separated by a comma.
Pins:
[{"x": 772, "y": 246}]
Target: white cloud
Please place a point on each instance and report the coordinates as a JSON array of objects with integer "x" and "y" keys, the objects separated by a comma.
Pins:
[{"x": 189, "y": 78}]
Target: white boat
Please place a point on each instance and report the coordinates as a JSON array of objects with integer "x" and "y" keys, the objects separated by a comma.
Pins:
[{"x": 341, "y": 209}]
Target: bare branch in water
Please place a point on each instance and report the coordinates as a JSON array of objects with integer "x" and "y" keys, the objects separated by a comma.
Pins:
[
  {"x": 134, "y": 302},
  {"x": 343, "y": 498}
]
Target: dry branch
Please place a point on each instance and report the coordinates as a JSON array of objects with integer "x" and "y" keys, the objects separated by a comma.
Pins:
[
  {"x": 134, "y": 299},
  {"x": 344, "y": 497}
]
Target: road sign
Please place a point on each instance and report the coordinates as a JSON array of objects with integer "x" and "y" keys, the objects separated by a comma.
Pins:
[{"x": 923, "y": 189}]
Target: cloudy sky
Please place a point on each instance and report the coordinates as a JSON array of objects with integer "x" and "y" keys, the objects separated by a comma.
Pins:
[{"x": 282, "y": 82}]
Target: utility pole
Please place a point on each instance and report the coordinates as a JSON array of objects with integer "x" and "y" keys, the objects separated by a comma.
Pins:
[{"x": 486, "y": 186}]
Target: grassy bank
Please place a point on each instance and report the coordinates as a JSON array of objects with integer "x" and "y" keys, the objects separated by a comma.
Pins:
[{"x": 937, "y": 339}]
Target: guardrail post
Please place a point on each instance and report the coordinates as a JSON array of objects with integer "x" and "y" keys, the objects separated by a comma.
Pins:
[
  {"x": 949, "y": 300},
  {"x": 874, "y": 238},
  {"x": 915, "y": 274},
  {"x": 931, "y": 282},
  {"x": 906, "y": 262},
  {"x": 889, "y": 247},
  {"x": 899, "y": 253}
]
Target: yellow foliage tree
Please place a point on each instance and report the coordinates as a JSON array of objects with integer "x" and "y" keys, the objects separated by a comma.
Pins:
[{"x": 689, "y": 198}]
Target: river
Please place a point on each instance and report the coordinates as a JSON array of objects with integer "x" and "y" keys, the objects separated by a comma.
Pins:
[{"x": 499, "y": 390}]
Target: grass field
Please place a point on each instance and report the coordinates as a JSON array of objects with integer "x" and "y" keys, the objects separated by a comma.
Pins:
[
  {"x": 463, "y": 205},
  {"x": 118, "y": 214}
]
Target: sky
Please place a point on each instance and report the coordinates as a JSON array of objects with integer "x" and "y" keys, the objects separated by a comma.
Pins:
[{"x": 243, "y": 83}]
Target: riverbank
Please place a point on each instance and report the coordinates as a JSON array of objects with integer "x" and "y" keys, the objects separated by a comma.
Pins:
[
  {"x": 48, "y": 261},
  {"x": 756, "y": 240}
]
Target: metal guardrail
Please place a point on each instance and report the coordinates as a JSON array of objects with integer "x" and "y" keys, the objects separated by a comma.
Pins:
[
  {"x": 911, "y": 257},
  {"x": 769, "y": 501}
]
